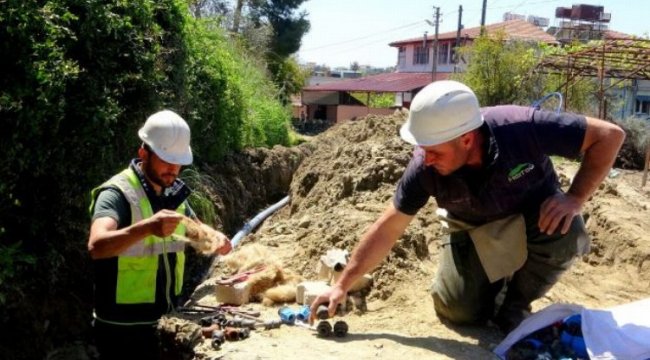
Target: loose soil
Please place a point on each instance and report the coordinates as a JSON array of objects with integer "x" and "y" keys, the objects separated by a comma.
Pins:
[{"x": 346, "y": 179}]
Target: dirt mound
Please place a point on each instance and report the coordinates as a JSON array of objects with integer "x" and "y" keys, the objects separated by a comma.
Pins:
[
  {"x": 339, "y": 190},
  {"x": 239, "y": 186},
  {"x": 347, "y": 178},
  {"x": 617, "y": 268}
]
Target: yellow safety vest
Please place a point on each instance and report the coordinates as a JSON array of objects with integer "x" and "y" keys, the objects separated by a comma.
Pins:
[{"x": 137, "y": 266}]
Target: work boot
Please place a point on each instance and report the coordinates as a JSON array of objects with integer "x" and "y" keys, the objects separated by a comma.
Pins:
[{"x": 509, "y": 318}]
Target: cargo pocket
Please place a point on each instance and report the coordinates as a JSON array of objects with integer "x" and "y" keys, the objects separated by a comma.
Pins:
[{"x": 136, "y": 280}]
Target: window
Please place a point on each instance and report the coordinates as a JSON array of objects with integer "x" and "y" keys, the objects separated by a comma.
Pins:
[
  {"x": 642, "y": 105},
  {"x": 443, "y": 53},
  {"x": 401, "y": 55},
  {"x": 452, "y": 55},
  {"x": 421, "y": 55}
]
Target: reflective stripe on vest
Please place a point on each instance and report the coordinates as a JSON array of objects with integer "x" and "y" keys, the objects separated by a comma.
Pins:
[{"x": 138, "y": 265}]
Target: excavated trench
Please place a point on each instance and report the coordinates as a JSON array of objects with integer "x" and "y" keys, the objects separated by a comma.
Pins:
[
  {"x": 341, "y": 181},
  {"x": 241, "y": 185}
]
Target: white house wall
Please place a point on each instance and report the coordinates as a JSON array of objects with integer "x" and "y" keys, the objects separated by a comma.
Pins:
[
  {"x": 410, "y": 67},
  {"x": 644, "y": 88},
  {"x": 626, "y": 98}
]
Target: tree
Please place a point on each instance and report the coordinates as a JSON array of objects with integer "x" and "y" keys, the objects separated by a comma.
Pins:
[
  {"x": 288, "y": 30},
  {"x": 498, "y": 70},
  {"x": 208, "y": 8},
  {"x": 354, "y": 66},
  {"x": 288, "y": 27},
  {"x": 271, "y": 28},
  {"x": 289, "y": 77},
  {"x": 505, "y": 72}
]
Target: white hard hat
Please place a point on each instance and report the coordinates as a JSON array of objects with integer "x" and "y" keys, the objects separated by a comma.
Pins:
[
  {"x": 441, "y": 111},
  {"x": 168, "y": 136}
]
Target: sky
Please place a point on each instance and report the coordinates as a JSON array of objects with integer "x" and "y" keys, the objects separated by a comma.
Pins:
[{"x": 343, "y": 32}]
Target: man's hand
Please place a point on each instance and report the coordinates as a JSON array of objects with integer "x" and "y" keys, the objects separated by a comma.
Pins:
[
  {"x": 164, "y": 222},
  {"x": 559, "y": 208},
  {"x": 600, "y": 145},
  {"x": 106, "y": 241},
  {"x": 334, "y": 296}
]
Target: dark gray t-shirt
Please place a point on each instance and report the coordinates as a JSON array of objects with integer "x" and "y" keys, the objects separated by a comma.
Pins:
[
  {"x": 517, "y": 176},
  {"x": 112, "y": 203}
]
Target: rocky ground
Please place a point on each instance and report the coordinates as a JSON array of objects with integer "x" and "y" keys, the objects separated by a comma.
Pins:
[{"x": 346, "y": 179}]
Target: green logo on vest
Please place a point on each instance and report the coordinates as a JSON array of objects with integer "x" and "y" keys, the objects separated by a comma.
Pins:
[{"x": 519, "y": 171}]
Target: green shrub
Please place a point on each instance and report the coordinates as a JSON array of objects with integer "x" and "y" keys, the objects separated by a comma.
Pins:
[
  {"x": 199, "y": 199},
  {"x": 79, "y": 79},
  {"x": 234, "y": 104},
  {"x": 214, "y": 106},
  {"x": 377, "y": 100},
  {"x": 637, "y": 141},
  {"x": 13, "y": 260}
]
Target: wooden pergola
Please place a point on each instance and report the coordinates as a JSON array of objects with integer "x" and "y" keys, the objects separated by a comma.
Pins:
[{"x": 615, "y": 59}]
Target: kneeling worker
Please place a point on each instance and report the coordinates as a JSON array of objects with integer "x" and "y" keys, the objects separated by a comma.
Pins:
[{"x": 498, "y": 196}]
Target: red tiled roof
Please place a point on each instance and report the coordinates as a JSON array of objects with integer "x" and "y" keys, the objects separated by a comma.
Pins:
[
  {"x": 611, "y": 34},
  {"x": 387, "y": 82},
  {"x": 514, "y": 29}
]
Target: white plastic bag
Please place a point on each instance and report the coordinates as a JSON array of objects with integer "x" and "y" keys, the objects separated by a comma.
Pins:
[{"x": 622, "y": 332}]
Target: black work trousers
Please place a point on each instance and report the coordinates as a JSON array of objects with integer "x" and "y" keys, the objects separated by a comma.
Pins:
[{"x": 118, "y": 342}]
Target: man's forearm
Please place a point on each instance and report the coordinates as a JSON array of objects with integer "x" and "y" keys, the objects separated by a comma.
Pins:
[
  {"x": 374, "y": 245},
  {"x": 112, "y": 243},
  {"x": 592, "y": 172},
  {"x": 599, "y": 156}
]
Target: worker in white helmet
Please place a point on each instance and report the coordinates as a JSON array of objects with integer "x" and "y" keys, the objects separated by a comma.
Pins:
[
  {"x": 138, "y": 265},
  {"x": 510, "y": 225}
]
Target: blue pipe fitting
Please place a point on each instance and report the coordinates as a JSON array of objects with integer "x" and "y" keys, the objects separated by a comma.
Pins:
[
  {"x": 287, "y": 315},
  {"x": 303, "y": 313},
  {"x": 571, "y": 335}
]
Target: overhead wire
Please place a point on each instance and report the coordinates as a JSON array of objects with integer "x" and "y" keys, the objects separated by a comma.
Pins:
[
  {"x": 383, "y": 33},
  {"x": 364, "y": 37}
]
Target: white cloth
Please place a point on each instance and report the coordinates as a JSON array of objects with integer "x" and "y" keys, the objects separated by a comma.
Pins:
[{"x": 621, "y": 333}]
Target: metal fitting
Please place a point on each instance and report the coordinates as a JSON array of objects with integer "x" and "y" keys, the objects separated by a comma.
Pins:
[
  {"x": 272, "y": 324},
  {"x": 218, "y": 338},
  {"x": 322, "y": 312},
  {"x": 340, "y": 328},
  {"x": 324, "y": 329}
]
